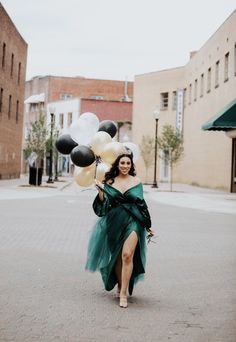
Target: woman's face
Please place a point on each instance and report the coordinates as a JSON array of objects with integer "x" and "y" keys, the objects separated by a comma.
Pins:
[{"x": 124, "y": 165}]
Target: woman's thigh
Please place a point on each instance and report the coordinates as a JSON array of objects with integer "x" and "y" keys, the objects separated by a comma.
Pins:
[{"x": 130, "y": 244}]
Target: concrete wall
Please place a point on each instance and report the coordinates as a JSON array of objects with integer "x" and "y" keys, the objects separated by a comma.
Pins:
[
  {"x": 207, "y": 155},
  {"x": 63, "y": 108}
]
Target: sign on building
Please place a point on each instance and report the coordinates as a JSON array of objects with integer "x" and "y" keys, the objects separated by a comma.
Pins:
[{"x": 179, "y": 109}]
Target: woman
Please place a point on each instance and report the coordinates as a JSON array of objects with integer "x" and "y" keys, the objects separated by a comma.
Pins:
[{"x": 117, "y": 245}]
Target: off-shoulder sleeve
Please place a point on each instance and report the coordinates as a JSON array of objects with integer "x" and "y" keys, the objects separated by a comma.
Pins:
[
  {"x": 143, "y": 210},
  {"x": 101, "y": 207}
]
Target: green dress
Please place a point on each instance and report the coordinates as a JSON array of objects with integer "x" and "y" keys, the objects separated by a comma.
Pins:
[{"x": 120, "y": 214}]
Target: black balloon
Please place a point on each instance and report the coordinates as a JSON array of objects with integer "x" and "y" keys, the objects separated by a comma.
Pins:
[
  {"x": 65, "y": 144},
  {"x": 109, "y": 127},
  {"x": 82, "y": 156}
]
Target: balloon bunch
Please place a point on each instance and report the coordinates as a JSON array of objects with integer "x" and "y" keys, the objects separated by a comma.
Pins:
[{"x": 91, "y": 147}]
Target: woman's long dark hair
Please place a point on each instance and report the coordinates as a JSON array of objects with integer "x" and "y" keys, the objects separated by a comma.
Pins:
[{"x": 114, "y": 171}]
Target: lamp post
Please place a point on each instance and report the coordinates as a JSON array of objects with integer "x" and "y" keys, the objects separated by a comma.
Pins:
[
  {"x": 156, "y": 115},
  {"x": 56, "y": 160},
  {"x": 50, "y": 179}
]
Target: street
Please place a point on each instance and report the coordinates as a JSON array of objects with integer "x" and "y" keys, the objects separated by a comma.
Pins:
[{"x": 188, "y": 295}]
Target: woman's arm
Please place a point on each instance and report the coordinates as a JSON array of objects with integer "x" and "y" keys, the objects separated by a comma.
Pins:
[
  {"x": 101, "y": 203},
  {"x": 99, "y": 186}
]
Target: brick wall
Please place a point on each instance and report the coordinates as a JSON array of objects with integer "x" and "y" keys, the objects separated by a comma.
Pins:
[
  {"x": 13, "y": 52},
  {"x": 108, "y": 110},
  {"x": 55, "y": 86}
]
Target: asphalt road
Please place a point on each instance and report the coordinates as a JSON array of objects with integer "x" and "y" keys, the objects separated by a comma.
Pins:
[{"x": 188, "y": 295}]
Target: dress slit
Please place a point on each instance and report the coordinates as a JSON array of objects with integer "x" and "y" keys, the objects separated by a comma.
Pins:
[{"x": 138, "y": 267}]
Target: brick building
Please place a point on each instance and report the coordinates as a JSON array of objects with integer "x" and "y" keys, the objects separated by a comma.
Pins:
[
  {"x": 60, "y": 88},
  {"x": 67, "y": 111},
  {"x": 13, "y": 54},
  {"x": 108, "y": 99},
  {"x": 120, "y": 112},
  {"x": 115, "y": 96}
]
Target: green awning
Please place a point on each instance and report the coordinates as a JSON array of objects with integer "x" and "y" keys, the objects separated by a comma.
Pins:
[{"x": 223, "y": 121}]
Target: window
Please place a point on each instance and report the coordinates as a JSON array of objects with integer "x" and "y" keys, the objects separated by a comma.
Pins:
[
  {"x": 202, "y": 85},
  {"x": 1, "y": 98},
  {"x": 235, "y": 59},
  {"x": 19, "y": 73},
  {"x": 185, "y": 96},
  {"x": 65, "y": 96},
  {"x": 61, "y": 120},
  {"x": 17, "y": 111},
  {"x": 69, "y": 119},
  {"x": 195, "y": 90},
  {"x": 174, "y": 100},
  {"x": 226, "y": 75},
  {"x": 208, "y": 80},
  {"x": 164, "y": 100},
  {"x": 190, "y": 94},
  {"x": 217, "y": 74},
  {"x": 3, "y": 54},
  {"x": 97, "y": 97},
  {"x": 12, "y": 63},
  {"x": 9, "y": 107}
]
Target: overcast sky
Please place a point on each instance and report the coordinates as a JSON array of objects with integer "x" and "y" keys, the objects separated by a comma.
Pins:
[{"x": 110, "y": 39}]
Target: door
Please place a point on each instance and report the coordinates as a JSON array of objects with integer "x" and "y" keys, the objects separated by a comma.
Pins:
[
  {"x": 233, "y": 173},
  {"x": 164, "y": 167}
]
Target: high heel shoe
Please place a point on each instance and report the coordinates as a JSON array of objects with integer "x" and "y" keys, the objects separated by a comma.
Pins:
[
  {"x": 118, "y": 292},
  {"x": 123, "y": 302}
]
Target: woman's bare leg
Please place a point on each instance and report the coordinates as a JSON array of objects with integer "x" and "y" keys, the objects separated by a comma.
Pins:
[
  {"x": 118, "y": 268},
  {"x": 127, "y": 266}
]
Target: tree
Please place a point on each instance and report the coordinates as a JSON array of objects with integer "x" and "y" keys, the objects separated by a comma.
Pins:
[
  {"x": 36, "y": 140},
  {"x": 147, "y": 149},
  {"x": 50, "y": 143},
  {"x": 171, "y": 143}
]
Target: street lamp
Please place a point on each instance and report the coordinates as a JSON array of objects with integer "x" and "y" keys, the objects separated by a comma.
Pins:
[
  {"x": 56, "y": 160},
  {"x": 50, "y": 179},
  {"x": 156, "y": 115}
]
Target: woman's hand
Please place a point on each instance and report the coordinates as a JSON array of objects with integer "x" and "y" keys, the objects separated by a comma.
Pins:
[
  {"x": 151, "y": 234},
  {"x": 99, "y": 186}
]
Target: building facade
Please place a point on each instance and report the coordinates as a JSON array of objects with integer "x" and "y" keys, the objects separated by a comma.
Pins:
[
  {"x": 187, "y": 97},
  {"x": 13, "y": 55},
  {"x": 71, "y": 96},
  {"x": 60, "y": 88},
  {"x": 65, "y": 112}
]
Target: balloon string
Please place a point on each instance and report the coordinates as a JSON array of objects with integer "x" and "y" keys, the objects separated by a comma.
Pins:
[{"x": 97, "y": 159}]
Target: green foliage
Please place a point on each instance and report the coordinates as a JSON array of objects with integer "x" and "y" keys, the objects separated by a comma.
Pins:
[
  {"x": 171, "y": 142},
  {"x": 147, "y": 150},
  {"x": 36, "y": 139}
]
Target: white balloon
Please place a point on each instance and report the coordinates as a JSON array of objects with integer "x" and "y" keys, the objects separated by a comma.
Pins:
[
  {"x": 90, "y": 118},
  {"x": 78, "y": 132},
  {"x": 134, "y": 149},
  {"x": 102, "y": 168},
  {"x": 83, "y": 129}
]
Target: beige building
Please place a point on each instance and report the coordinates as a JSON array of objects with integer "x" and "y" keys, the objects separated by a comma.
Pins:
[{"x": 188, "y": 97}]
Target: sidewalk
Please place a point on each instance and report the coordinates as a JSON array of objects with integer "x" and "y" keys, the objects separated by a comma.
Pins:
[
  {"x": 183, "y": 195},
  {"x": 20, "y": 188},
  {"x": 194, "y": 197}
]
